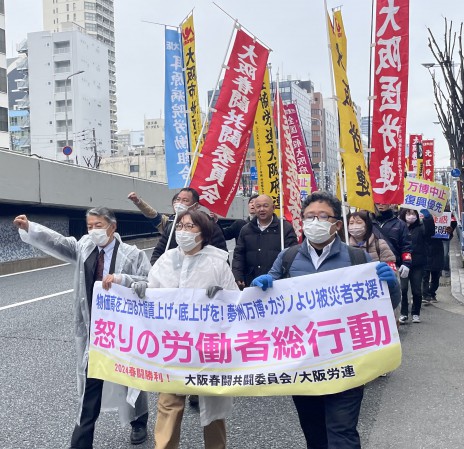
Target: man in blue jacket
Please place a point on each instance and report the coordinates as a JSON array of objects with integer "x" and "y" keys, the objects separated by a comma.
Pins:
[{"x": 327, "y": 421}]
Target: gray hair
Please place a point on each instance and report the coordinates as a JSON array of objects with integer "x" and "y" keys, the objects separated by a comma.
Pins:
[{"x": 100, "y": 211}]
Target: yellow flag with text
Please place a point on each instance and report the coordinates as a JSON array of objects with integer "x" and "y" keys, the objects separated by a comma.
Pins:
[
  {"x": 359, "y": 189},
  {"x": 267, "y": 164},
  {"x": 191, "y": 86}
]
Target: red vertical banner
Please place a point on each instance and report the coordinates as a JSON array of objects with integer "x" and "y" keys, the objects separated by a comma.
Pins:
[
  {"x": 390, "y": 100},
  {"x": 414, "y": 141},
  {"x": 428, "y": 161},
  {"x": 219, "y": 169},
  {"x": 290, "y": 188},
  {"x": 303, "y": 162}
]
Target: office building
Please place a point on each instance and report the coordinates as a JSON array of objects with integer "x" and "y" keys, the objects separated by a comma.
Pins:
[
  {"x": 97, "y": 18},
  {"x": 4, "y": 138},
  {"x": 65, "y": 87}
]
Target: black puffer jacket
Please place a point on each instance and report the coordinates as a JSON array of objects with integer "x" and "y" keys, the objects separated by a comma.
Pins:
[
  {"x": 257, "y": 250},
  {"x": 420, "y": 235}
]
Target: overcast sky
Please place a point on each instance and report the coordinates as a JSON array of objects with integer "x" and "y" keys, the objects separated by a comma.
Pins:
[{"x": 293, "y": 29}]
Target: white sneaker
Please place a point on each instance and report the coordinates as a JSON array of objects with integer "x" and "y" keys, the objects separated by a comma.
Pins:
[
  {"x": 403, "y": 319},
  {"x": 416, "y": 319}
]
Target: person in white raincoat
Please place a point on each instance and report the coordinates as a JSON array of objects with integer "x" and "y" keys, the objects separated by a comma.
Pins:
[
  {"x": 193, "y": 264},
  {"x": 120, "y": 263}
]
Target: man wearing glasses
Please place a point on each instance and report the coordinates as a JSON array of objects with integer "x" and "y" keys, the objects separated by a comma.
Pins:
[{"x": 327, "y": 421}]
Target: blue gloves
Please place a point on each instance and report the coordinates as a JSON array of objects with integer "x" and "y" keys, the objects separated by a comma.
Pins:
[
  {"x": 425, "y": 213},
  {"x": 386, "y": 273},
  {"x": 211, "y": 291},
  {"x": 264, "y": 281}
]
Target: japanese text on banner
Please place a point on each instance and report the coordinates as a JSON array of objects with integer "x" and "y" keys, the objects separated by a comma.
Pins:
[
  {"x": 317, "y": 334},
  {"x": 441, "y": 225},
  {"x": 391, "y": 67},
  {"x": 420, "y": 194},
  {"x": 217, "y": 176},
  {"x": 175, "y": 124}
]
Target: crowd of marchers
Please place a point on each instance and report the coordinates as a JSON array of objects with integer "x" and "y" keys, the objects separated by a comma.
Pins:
[{"x": 192, "y": 253}]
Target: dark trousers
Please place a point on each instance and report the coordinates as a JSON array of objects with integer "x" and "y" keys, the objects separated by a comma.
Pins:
[
  {"x": 329, "y": 422},
  {"x": 82, "y": 437},
  {"x": 415, "y": 279},
  {"x": 430, "y": 283}
]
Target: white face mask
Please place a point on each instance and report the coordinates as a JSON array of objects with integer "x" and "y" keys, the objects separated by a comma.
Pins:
[
  {"x": 180, "y": 207},
  {"x": 99, "y": 236},
  {"x": 411, "y": 219},
  {"x": 357, "y": 230},
  {"x": 317, "y": 231},
  {"x": 186, "y": 240}
]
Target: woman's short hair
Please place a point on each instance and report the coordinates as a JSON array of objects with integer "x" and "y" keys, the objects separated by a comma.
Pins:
[
  {"x": 364, "y": 216},
  {"x": 402, "y": 213},
  {"x": 202, "y": 220}
]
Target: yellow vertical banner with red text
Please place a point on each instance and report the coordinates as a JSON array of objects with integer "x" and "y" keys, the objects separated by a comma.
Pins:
[
  {"x": 267, "y": 164},
  {"x": 191, "y": 86},
  {"x": 359, "y": 189}
]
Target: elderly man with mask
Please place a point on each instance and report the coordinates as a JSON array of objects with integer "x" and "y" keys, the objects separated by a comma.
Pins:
[
  {"x": 99, "y": 255},
  {"x": 328, "y": 421}
]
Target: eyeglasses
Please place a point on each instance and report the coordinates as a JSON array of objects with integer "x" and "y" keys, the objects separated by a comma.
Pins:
[
  {"x": 321, "y": 217},
  {"x": 186, "y": 226}
]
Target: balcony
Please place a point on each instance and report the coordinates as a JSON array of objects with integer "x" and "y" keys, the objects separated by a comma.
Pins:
[
  {"x": 23, "y": 103},
  {"x": 22, "y": 46},
  {"x": 22, "y": 84},
  {"x": 22, "y": 65}
]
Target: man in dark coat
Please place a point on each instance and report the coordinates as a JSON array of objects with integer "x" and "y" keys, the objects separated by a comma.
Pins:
[{"x": 259, "y": 242}]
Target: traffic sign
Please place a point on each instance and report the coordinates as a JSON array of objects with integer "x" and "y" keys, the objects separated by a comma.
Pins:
[
  {"x": 455, "y": 172},
  {"x": 67, "y": 151},
  {"x": 253, "y": 174}
]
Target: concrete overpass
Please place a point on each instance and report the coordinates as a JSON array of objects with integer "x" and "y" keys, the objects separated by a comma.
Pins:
[{"x": 57, "y": 195}]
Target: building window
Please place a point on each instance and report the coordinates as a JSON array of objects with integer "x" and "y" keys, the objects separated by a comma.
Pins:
[
  {"x": 2, "y": 7},
  {"x": 90, "y": 26},
  {"x": 133, "y": 169},
  {"x": 3, "y": 82},
  {"x": 4, "y": 119},
  {"x": 316, "y": 143},
  {"x": 152, "y": 173},
  {"x": 2, "y": 41},
  {"x": 89, "y": 5},
  {"x": 89, "y": 16},
  {"x": 316, "y": 154}
]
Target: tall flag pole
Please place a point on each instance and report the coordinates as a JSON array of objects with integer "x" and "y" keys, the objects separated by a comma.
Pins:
[
  {"x": 391, "y": 69},
  {"x": 266, "y": 149},
  {"x": 217, "y": 177},
  {"x": 415, "y": 143},
  {"x": 176, "y": 140},
  {"x": 359, "y": 191},
  {"x": 191, "y": 82},
  {"x": 279, "y": 152}
]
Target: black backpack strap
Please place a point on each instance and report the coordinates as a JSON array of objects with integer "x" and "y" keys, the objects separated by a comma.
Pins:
[
  {"x": 357, "y": 256},
  {"x": 287, "y": 260}
]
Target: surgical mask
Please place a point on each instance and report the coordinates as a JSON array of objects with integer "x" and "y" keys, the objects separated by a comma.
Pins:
[
  {"x": 180, "y": 207},
  {"x": 186, "y": 240},
  {"x": 317, "y": 231},
  {"x": 99, "y": 236},
  {"x": 411, "y": 219},
  {"x": 357, "y": 231}
]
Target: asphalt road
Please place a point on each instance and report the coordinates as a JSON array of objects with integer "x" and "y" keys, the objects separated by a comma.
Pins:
[{"x": 419, "y": 406}]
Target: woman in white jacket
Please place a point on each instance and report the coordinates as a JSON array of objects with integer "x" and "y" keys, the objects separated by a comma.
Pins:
[{"x": 193, "y": 264}]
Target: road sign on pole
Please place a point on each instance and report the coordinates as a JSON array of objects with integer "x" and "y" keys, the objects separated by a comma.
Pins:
[{"x": 67, "y": 150}]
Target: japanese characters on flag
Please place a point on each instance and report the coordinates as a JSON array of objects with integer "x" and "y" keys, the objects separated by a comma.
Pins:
[
  {"x": 358, "y": 184},
  {"x": 428, "y": 160},
  {"x": 218, "y": 172},
  {"x": 421, "y": 194},
  {"x": 304, "y": 184},
  {"x": 193, "y": 102},
  {"x": 267, "y": 163},
  {"x": 391, "y": 67},
  {"x": 314, "y": 335},
  {"x": 441, "y": 223},
  {"x": 175, "y": 124},
  {"x": 290, "y": 189},
  {"x": 415, "y": 142},
  {"x": 303, "y": 161}
]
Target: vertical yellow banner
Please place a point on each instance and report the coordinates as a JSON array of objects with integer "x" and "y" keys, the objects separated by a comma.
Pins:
[
  {"x": 359, "y": 189},
  {"x": 267, "y": 164},
  {"x": 191, "y": 85}
]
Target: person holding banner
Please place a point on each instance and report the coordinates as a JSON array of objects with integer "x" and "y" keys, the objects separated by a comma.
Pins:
[
  {"x": 395, "y": 232},
  {"x": 99, "y": 255},
  {"x": 328, "y": 421},
  {"x": 193, "y": 264},
  {"x": 420, "y": 233},
  {"x": 259, "y": 242}
]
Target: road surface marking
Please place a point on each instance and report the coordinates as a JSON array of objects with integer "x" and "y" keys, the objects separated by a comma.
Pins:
[{"x": 22, "y": 303}]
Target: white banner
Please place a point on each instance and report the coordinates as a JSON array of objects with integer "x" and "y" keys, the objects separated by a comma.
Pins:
[{"x": 315, "y": 334}]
